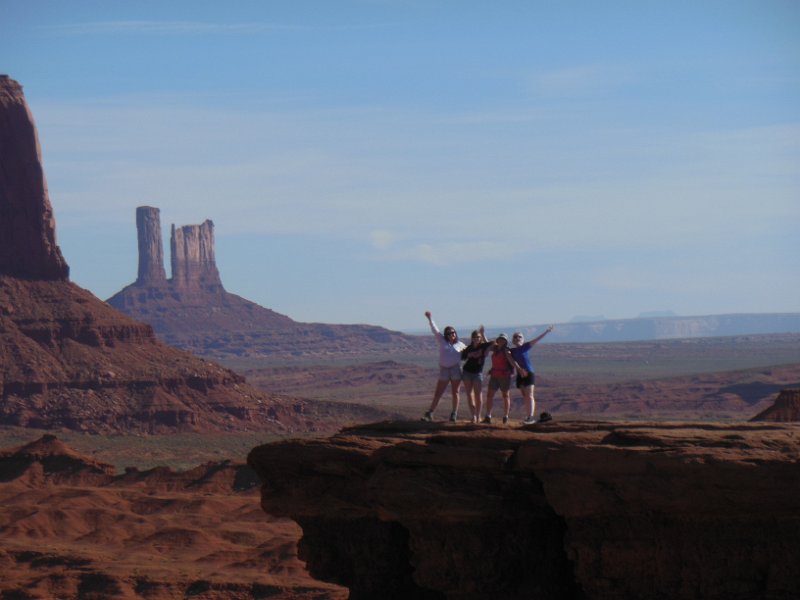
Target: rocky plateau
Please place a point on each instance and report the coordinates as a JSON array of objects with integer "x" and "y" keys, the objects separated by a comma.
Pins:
[{"x": 561, "y": 510}]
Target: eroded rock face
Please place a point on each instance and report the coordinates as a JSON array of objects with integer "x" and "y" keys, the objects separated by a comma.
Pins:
[
  {"x": 786, "y": 408},
  {"x": 151, "y": 249},
  {"x": 28, "y": 246},
  {"x": 571, "y": 510},
  {"x": 193, "y": 262}
]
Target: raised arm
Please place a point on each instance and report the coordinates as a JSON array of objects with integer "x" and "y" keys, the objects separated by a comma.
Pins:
[
  {"x": 434, "y": 328},
  {"x": 536, "y": 339}
]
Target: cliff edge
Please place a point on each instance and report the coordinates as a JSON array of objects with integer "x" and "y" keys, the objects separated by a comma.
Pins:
[{"x": 560, "y": 510}]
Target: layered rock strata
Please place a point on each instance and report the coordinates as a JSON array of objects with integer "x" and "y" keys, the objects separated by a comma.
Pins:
[
  {"x": 68, "y": 359},
  {"x": 560, "y": 510},
  {"x": 27, "y": 227},
  {"x": 786, "y": 408}
]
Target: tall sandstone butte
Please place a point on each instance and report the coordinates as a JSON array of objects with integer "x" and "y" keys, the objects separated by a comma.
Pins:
[
  {"x": 28, "y": 246},
  {"x": 151, "y": 250},
  {"x": 193, "y": 262}
]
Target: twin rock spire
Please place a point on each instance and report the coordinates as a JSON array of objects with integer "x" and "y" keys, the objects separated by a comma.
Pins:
[{"x": 191, "y": 253}]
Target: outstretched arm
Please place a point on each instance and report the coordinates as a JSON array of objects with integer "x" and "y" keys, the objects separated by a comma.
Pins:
[
  {"x": 434, "y": 329},
  {"x": 536, "y": 339},
  {"x": 513, "y": 363}
]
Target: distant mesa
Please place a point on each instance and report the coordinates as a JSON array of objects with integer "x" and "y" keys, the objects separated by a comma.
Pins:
[
  {"x": 192, "y": 310},
  {"x": 665, "y": 327},
  {"x": 785, "y": 409},
  {"x": 587, "y": 318},
  {"x": 656, "y": 314},
  {"x": 69, "y": 360}
]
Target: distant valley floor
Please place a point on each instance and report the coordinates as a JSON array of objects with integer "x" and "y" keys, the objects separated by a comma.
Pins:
[{"x": 702, "y": 378}]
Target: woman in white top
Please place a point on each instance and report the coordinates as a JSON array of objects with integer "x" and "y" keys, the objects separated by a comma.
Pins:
[{"x": 449, "y": 367}]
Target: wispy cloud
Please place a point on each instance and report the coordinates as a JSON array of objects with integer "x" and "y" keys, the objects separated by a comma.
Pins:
[
  {"x": 168, "y": 28},
  {"x": 581, "y": 79},
  {"x": 413, "y": 189}
]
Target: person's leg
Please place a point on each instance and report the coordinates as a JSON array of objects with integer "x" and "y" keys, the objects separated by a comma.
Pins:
[
  {"x": 469, "y": 386},
  {"x": 441, "y": 386},
  {"x": 455, "y": 388},
  {"x": 531, "y": 401},
  {"x": 490, "y": 392},
  {"x": 476, "y": 391},
  {"x": 506, "y": 404}
]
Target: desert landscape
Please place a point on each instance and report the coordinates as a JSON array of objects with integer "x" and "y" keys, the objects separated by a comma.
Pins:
[{"x": 178, "y": 440}]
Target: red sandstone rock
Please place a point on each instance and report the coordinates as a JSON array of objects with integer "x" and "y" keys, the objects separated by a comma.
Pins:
[
  {"x": 151, "y": 250},
  {"x": 786, "y": 408},
  {"x": 71, "y": 528},
  {"x": 69, "y": 360},
  {"x": 28, "y": 246},
  {"x": 563, "y": 510},
  {"x": 192, "y": 310},
  {"x": 193, "y": 263}
]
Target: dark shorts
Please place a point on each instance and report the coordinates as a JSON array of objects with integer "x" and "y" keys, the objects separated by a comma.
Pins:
[
  {"x": 525, "y": 381},
  {"x": 499, "y": 382},
  {"x": 467, "y": 376}
]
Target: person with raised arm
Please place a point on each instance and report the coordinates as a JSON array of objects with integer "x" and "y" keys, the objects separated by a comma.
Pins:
[
  {"x": 449, "y": 367},
  {"x": 526, "y": 378},
  {"x": 472, "y": 372}
]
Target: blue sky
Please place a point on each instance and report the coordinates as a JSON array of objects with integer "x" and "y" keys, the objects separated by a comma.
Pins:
[{"x": 366, "y": 160}]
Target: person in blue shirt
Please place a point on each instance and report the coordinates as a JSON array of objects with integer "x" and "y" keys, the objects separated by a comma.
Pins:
[{"x": 520, "y": 351}]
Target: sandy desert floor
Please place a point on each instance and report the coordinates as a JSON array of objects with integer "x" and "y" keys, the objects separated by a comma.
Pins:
[{"x": 70, "y": 532}]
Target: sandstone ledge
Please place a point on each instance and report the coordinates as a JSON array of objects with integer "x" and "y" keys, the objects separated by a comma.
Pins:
[{"x": 557, "y": 510}]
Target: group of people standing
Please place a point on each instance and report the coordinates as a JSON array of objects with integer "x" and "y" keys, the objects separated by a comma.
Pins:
[{"x": 505, "y": 362}]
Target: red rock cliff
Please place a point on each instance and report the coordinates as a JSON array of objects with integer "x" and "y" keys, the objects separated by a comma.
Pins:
[
  {"x": 552, "y": 511},
  {"x": 68, "y": 359},
  {"x": 28, "y": 246}
]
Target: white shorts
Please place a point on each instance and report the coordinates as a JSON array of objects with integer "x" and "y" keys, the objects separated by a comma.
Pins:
[{"x": 450, "y": 373}]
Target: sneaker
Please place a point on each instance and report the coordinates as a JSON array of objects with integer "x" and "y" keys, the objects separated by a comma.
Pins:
[
  {"x": 505, "y": 420},
  {"x": 545, "y": 417},
  {"x": 428, "y": 416},
  {"x": 487, "y": 419},
  {"x": 529, "y": 421},
  {"x": 452, "y": 417}
]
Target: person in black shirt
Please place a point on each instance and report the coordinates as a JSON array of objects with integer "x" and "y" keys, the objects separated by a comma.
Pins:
[{"x": 472, "y": 372}]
